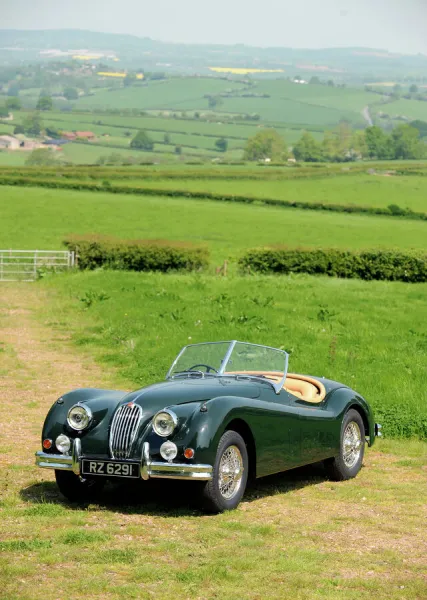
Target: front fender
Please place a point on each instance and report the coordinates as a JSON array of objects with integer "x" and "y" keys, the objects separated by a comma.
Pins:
[
  {"x": 102, "y": 404},
  {"x": 209, "y": 420}
]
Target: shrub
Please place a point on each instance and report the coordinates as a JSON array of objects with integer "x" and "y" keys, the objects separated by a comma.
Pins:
[
  {"x": 389, "y": 265},
  {"x": 95, "y": 251}
]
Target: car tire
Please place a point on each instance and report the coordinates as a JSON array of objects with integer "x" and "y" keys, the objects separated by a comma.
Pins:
[
  {"x": 77, "y": 489},
  {"x": 352, "y": 448},
  {"x": 225, "y": 490}
]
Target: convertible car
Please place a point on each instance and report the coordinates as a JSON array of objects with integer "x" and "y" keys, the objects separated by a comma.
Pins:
[{"x": 228, "y": 411}]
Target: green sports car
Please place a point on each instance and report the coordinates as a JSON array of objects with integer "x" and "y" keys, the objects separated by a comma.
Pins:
[{"x": 227, "y": 411}]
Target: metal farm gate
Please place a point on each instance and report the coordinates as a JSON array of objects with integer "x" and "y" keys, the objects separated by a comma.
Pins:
[{"x": 26, "y": 265}]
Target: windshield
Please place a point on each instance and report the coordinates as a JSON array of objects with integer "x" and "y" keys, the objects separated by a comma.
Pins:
[{"x": 231, "y": 358}]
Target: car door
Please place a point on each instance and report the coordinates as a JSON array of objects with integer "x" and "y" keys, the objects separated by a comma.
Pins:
[
  {"x": 276, "y": 428},
  {"x": 318, "y": 427}
]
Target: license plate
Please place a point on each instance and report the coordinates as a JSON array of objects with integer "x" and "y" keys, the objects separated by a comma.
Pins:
[{"x": 110, "y": 468}]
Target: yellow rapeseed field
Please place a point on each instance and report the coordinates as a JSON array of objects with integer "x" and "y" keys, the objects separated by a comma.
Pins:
[
  {"x": 117, "y": 74},
  {"x": 87, "y": 56},
  {"x": 241, "y": 71}
]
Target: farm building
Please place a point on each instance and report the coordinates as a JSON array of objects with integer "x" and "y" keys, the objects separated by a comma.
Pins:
[
  {"x": 8, "y": 142},
  {"x": 85, "y": 134},
  {"x": 68, "y": 135}
]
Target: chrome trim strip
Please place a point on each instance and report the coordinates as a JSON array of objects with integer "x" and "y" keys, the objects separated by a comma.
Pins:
[
  {"x": 170, "y": 470},
  {"x": 54, "y": 461}
]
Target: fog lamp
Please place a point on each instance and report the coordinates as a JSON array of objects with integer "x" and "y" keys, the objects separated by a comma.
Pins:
[
  {"x": 63, "y": 443},
  {"x": 168, "y": 450}
]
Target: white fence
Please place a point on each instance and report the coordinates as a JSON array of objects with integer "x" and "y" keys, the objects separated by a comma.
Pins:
[{"x": 27, "y": 265}]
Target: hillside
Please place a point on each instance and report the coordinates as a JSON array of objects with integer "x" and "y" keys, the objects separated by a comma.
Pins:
[{"x": 346, "y": 64}]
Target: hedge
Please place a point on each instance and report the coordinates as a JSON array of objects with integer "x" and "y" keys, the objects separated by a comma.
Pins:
[
  {"x": 389, "y": 265},
  {"x": 94, "y": 251},
  {"x": 58, "y": 183}
]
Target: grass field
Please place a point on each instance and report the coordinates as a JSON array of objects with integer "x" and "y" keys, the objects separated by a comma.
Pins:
[
  {"x": 321, "y": 322},
  {"x": 34, "y": 217},
  {"x": 411, "y": 109},
  {"x": 358, "y": 190},
  {"x": 294, "y": 534}
]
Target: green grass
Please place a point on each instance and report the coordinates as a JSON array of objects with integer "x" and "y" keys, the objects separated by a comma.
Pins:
[
  {"x": 322, "y": 322},
  {"x": 411, "y": 109},
  {"x": 358, "y": 190},
  {"x": 176, "y": 93},
  {"x": 35, "y": 217}
]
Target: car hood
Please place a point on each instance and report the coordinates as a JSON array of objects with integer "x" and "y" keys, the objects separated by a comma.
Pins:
[{"x": 182, "y": 391}]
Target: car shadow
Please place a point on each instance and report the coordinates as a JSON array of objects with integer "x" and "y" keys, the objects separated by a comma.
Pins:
[{"x": 172, "y": 498}]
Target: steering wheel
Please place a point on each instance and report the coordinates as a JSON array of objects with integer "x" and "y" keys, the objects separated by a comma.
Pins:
[{"x": 207, "y": 367}]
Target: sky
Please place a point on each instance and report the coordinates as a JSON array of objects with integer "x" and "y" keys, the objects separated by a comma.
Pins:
[{"x": 394, "y": 25}]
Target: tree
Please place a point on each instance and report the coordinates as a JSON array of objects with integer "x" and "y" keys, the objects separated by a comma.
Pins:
[
  {"x": 358, "y": 143},
  {"x": 42, "y": 157},
  {"x": 265, "y": 144},
  {"x": 166, "y": 138},
  {"x": 71, "y": 93},
  {"x": 128, "y": 80},
  {"x": 33, "y": 124},
  {"x": 221, "y": 144},
  {"x": 315, "y": 80},
  {"x": 331, "y": 83},
  {"x": 13, "y": 90},
  {"x": 13, "y": 103},
  {"x": 142, "y": 141},
  {"x": 413, "y": 89},
  {"x": 421, "y": 126},
  {"x": 178, "y": 150},
  {"x": 4, "y": 112},
  {"x": 19, "y": 129},
  {"x": 214, "y": 102},
  {"x": 44, "y": 103},
  {"x": 378, "y": 143},
  {"x": 307, "y": 149},
  {"x": 53, "y": 133},
  {"x": 406, "y": 143}
]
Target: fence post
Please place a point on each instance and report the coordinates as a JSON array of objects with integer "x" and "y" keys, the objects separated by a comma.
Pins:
[{"x": 1, "y": 266}]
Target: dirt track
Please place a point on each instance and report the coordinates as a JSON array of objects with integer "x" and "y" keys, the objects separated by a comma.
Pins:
[{"x": 36, "y": 366}]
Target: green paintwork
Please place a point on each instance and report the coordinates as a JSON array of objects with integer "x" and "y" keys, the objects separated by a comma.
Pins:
[{"x": 285, "y": 432}]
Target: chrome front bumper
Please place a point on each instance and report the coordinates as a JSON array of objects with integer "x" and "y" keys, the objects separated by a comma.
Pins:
[{"x": 149, "y": 469}]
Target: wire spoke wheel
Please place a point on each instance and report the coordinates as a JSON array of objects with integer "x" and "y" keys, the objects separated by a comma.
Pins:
[
  {"x": 352, "y": 444},
  {"x": 230, "y": 472}
]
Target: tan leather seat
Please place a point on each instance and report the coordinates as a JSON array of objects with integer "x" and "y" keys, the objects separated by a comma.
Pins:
[{"x": 301, "y": 386}]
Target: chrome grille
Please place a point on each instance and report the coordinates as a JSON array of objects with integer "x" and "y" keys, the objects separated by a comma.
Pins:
[{"x": 124, "y": 429}]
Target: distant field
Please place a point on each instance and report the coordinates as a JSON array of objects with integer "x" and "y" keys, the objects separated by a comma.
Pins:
[
  {"x": 411, "y": 109},
  {"x": 176, "y": 93},
  {"x": 34, "y": 217}
]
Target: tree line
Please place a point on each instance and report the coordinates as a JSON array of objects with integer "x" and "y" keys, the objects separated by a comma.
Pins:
[{"x": 341, "y": 145}]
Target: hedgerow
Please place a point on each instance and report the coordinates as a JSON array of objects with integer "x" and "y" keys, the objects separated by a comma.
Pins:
[
  {"x": 63, "y": 183},
  {"x": 94, "y": 251},
  {"x": 389, "y": 265}
]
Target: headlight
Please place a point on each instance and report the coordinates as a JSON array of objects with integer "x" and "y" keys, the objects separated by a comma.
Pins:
[
  {"x": 79, "y": 417},
  {"x": 63, "y": 443},
  {"x": 165, "y": 422},
  {"x": 168, "y": 450}
]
